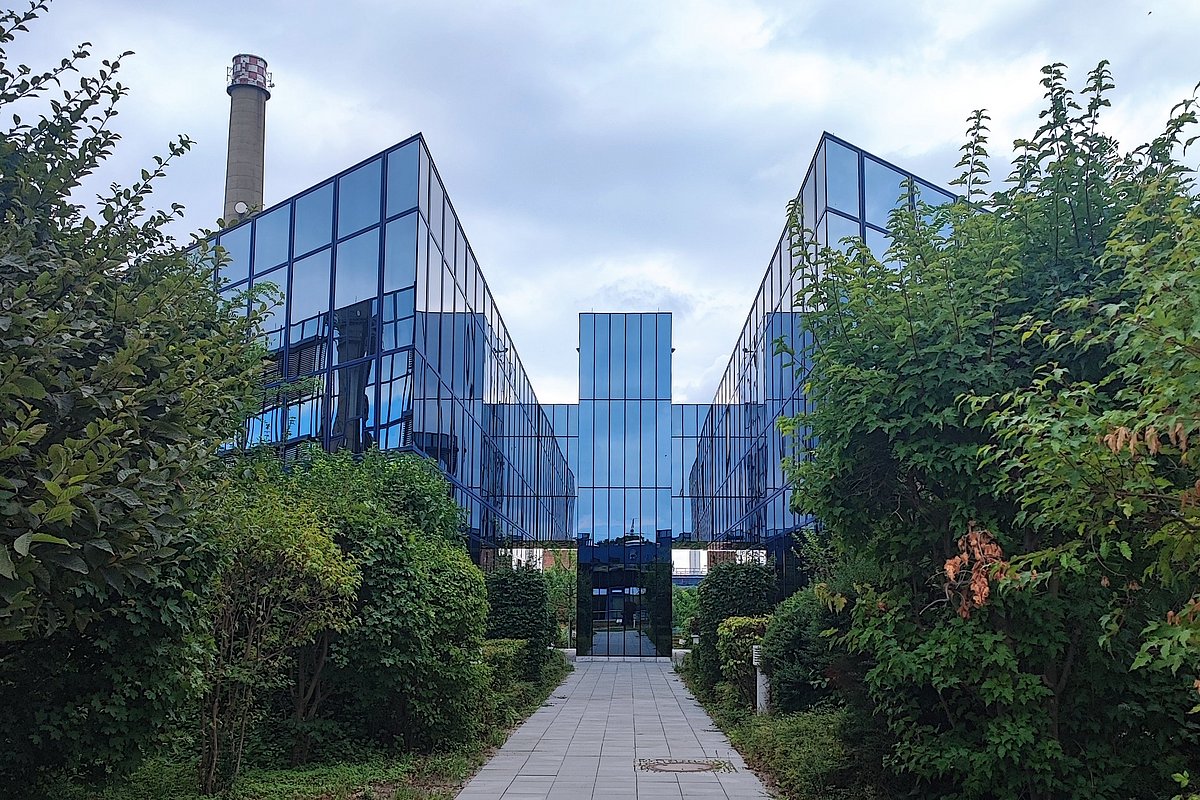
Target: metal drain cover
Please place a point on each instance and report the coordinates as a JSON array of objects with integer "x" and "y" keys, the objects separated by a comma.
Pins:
[{"x": 684, "y": 765}]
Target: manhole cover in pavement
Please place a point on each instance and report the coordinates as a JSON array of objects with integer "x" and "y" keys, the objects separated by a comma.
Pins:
[{"x": 684, "y": 765}]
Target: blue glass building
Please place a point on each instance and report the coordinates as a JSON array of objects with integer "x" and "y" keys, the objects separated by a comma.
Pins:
[{"x": 387, "y": 334}]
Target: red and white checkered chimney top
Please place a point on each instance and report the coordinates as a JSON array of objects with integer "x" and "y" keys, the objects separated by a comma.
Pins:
[{"x": 249, "y": 70}]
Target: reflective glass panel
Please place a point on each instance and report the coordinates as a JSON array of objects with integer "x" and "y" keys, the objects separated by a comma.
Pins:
[
  {"x": 236, "y": 244},
  {"x": 271, "y": 232},
  {"x": 402, "y": 178},
  {"x": 841, "y": 164},
  {"x": 308, "y": 312},
  {"x": 633, "y": 355},
  {"x": 352, "y": 407},
  {"x": 314, "y": 220},
  {"x": 882, "y": 186},
  {"x": 357, "y": 272},
  {"x": 399, "y": 257},
  {"x": 359, "y": 198}
]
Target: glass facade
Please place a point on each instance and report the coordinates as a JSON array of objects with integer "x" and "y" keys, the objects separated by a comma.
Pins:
[
  {"x": 740, "y": 496},
  {"x": 387, "y": 333},
  {"x": 624, "y": 478}
]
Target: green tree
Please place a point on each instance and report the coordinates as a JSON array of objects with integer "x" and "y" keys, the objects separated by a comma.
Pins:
[
  {"x": 988, "y": 630},
  {"x": 408, "y": 671},
  {"x": 280, "y": 582},
  {"x": 562, "y": 585},
  {"x": 121, "y": 368}
]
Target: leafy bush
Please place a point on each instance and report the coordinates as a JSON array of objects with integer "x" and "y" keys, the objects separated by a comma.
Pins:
[
  {"x": 1002, "y": 410},
  {"x": 281, "y": 581},
  {"x": 684, "y": 604},
  {"x": 409, "y": 669},
  {"x": 729, "y": 590},
  {"x": 520, "y": 609},
  {"x": 805, "y": 754},
  {"x": 736, "y": 637},
  {"x": 796, "y": 654}
]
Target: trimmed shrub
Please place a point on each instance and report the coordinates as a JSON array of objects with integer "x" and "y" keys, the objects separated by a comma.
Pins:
[
  {"x": 795, "y": 654},
  {"x": 519, "y": 604},
  {"x": 736, "y": 638},
  {"x": 729, "y": 590}
]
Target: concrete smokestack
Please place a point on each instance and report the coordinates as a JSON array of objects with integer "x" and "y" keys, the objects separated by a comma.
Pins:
[{"x": 249, "y": 90}]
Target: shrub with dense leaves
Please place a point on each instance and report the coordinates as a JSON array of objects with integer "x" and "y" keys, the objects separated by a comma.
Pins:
[
  {"x": 736, "y": 638},
  {"x": 976, "y": 396},
  {"x": 796, "y": 652},
  {"x": 520, "y": 609},
  {"x": 729, "y": 590}
]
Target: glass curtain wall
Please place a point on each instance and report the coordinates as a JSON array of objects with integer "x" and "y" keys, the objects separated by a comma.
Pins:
[
  {"x": 384, "y": 332},
  {"x": 741, "y": 499},
  {"x": 624, "y": 479}
]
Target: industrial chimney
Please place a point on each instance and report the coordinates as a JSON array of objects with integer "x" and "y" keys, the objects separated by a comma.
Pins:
[{"x": 249, "y": 90}]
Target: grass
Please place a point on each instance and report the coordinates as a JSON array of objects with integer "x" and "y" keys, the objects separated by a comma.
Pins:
[
  {"x": 436, "y": 776},
  {"x": 807, "y": 755}
]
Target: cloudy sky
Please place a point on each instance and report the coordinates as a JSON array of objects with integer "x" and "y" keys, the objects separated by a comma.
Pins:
[{"x": 616, "y": 155}]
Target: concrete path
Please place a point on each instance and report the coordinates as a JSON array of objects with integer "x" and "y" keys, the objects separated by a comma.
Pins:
[{"x": 596, "y": 734}]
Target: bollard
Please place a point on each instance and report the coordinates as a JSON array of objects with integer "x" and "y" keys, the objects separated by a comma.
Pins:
[{"x": 760, "y": 685}]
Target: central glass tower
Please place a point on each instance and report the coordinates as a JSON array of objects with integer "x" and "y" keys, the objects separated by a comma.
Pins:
[{"x": 624, "y": 485}]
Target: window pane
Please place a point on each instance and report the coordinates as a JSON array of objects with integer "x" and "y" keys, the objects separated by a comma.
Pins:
[
  {"x": 883, "y": 187},
  {"x": 399, "y": 257},
  {"x": 616, "y": 360},
  {"x": 842, "y": 166},
  {"x": 840, "y": 228},
  {"x": 600, "y": 362},
  {"x": 587, "y": 350},
  {"x": 271, "y": 233},
  {"x": 314, "y": 219},
  {"x": 402, "y": 179},
  {"x": 352, "y": 410},
  {"x": 236, "y": 244},
  {"x": 357, "y": 271},
  {"x": 358, "y": 198},
  {"x": 663, "y": 374},
  {"x": 274, "y": 320},
  {"x": 633, "y": 355},
  {"x": 309, "y": 309}
]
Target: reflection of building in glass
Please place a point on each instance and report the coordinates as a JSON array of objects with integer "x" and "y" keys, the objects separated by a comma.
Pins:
[{"x": 387, "y": 334}]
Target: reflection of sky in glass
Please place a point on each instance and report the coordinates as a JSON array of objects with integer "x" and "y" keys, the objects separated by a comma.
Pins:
[
  {"x": 314, "y": 220},
  {"x": 359, "y": 198},
  {"x": 236, "y": 244},
  {"x": 271, "y": 232}
]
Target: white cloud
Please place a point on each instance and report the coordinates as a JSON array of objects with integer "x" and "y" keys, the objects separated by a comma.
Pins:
[{"x": 623, "y": 154}]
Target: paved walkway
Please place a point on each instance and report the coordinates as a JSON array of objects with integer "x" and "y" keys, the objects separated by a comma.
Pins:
[{"x": 587, "y": 741}]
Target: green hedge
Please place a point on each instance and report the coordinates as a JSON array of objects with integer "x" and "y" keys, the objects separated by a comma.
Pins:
[
  {"x": 519, "y": 603},
  {"x": 795, "y": 653},
  {"x": 804, "y": 753},
  {"x": 736, "y": 638},
  {"x": 729, "y": 590}
]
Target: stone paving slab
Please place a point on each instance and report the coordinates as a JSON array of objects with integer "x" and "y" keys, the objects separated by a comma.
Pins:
[{"x": 585, "y": 743}]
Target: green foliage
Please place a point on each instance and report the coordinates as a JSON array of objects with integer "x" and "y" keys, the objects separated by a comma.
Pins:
[
  {"x": 736, "y": 637},
  {"x": 281, "y": 581},
  {"x": 562, "y": 587},
  {"x": 729, "y": 590},
  {"x": 797, "y": 652},
  {"x": 93, "y": 702},
  {"x": 805, "y": 754},
  {"x": 963, "y": 389},
  {"x": 520, "y": 609},
  {"x": 685, "y": 603},
  {"x": 121, "y": 368}
]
